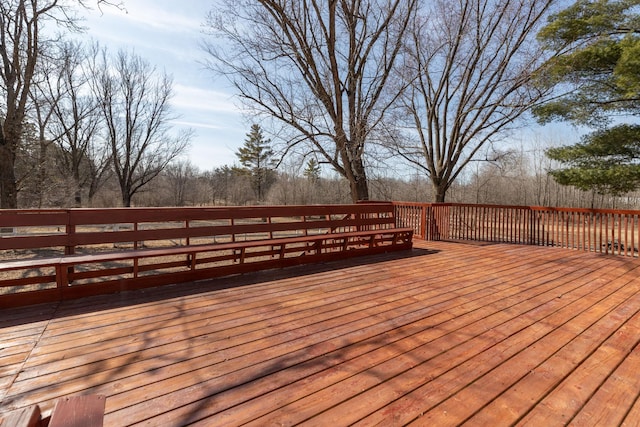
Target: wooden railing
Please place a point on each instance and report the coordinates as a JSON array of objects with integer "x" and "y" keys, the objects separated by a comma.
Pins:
[
  {"x": 48, "y": 255},
  {"x": 591, "y": 230},
  {"x": 70, "y": 231}
]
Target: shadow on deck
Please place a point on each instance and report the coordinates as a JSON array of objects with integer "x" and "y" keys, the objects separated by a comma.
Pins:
[
  {"x": 22, "y": 315},
  {"x": 445, "y": 334}
]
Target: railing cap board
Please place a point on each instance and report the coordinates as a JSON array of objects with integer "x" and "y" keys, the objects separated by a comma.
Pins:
[
  {"x": 140, "y": 215},
  {"x": 85, "y": 411},
  {"x": 128, "y": 215},
  {"x": 94, "y": 216},
  {"x": 79, "y": 217},
  {"x": 529, "y": 208}
]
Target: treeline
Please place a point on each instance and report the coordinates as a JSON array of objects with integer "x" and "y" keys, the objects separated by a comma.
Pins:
[
  {"x": 74, "y": 116},
  {"x": 357, "y": 86},
  {"x": 520, "y": 179},
  {"x": 94, "y": 117}
]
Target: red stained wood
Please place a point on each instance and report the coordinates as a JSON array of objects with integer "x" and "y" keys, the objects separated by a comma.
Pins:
[
  {"x": 185, "y": 245},
  {"x": 78, "y": 411},
  {"x": 447, "y": 334},
  {"x": 610, "y": 231},
  {"x": 24, "y": 417}
]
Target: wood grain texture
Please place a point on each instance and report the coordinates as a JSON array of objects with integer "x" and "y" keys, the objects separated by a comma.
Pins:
[
  {"x": 103, "y": 257},
  {"x": 78, "y": 411},
  {"x": 445, "y": 334}
]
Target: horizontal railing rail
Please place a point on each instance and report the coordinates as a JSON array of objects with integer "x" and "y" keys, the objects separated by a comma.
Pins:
[
  {"x": 70, "y": 229},
  {"x": 53, "y": 254},
  {"x": 606, "y": 231}
]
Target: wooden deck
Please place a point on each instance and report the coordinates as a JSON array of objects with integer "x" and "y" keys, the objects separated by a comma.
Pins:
[{"x": 446, "y": 334}]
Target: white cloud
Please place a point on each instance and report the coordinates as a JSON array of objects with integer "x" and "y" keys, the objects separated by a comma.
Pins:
[
  {"x": 159, "y": 15},
  {"x": 192, "y": 124},
  {"x": 167, "y": 33},
  {"x": 201, "y": 99}
]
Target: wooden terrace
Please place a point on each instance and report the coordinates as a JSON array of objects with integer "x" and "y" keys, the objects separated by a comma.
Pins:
[{"x": 444, "y": 334}]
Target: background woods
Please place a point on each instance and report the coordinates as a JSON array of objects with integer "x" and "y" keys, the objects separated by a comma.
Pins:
[{"x": 356, "y": 100}]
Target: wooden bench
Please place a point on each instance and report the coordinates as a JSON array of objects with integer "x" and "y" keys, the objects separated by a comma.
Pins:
[
  {"x": 209, "y": 242},
  {"x": 72, "y": 411}
]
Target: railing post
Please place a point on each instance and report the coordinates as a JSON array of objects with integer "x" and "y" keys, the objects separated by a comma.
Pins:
[
  {"x": 445, "y": 227},
  {"x": 62, "y": 279},
  {"x": 70, "y": 249},
  {"x": 70, "y": 231},
  {"x": 439, "y": 224},
  {"x": 433, "y": 226},
  {"x": 532, "y": 227}
]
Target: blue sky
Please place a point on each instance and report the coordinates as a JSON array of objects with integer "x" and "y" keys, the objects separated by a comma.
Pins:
[{"x": 168, "y": 34}]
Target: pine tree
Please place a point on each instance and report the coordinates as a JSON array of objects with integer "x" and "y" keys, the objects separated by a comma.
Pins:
[
  {"x": 257, "y": 159},
  {"x": 312, "y": 172},
  {"x": 597, "y": 76},
  {"x": 597, "y": 71},
  {"x": 605, "y": 161}
]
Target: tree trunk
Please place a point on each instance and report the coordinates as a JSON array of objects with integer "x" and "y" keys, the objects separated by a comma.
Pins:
[
  {"x": 8, "y": 187},
  {"x": 359, "y": 190},
  {"x": 353, "y": 168},
  {"x": 440, "y": 190},
  {"x": 358, "y": 183},
  {"x": 125, "y": 192},
  {"x": 77, "y": 198},
  {"x": 42, "y": 169},
  {"x": 126, "y": 199}
]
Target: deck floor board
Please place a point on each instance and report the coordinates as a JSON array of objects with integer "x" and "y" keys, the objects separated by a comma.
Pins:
[{"x": 447, "y": 334}]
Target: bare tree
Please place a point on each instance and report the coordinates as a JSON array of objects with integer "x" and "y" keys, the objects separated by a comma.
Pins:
[
  {"x": 471, "y": 71},
  {"x": 134, "y": 101},
  {"x": 181, "y": 177},
  {"x": 42, "y": 115},
  {"x": 21, "y": 42},
  {"x": 75, "y": 118},
  {"x": 322, "y": 69},
  {"x": 19, "y": 49}
]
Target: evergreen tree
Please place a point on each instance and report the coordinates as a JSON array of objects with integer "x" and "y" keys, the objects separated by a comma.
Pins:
[
  {"x": 312, "y": 172},
  {"x": 257, "y": 160},
  {"x": 597, "y": 71},
  {"x": 598, "y": 67},
  {"x": 605, "y": 161}
]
